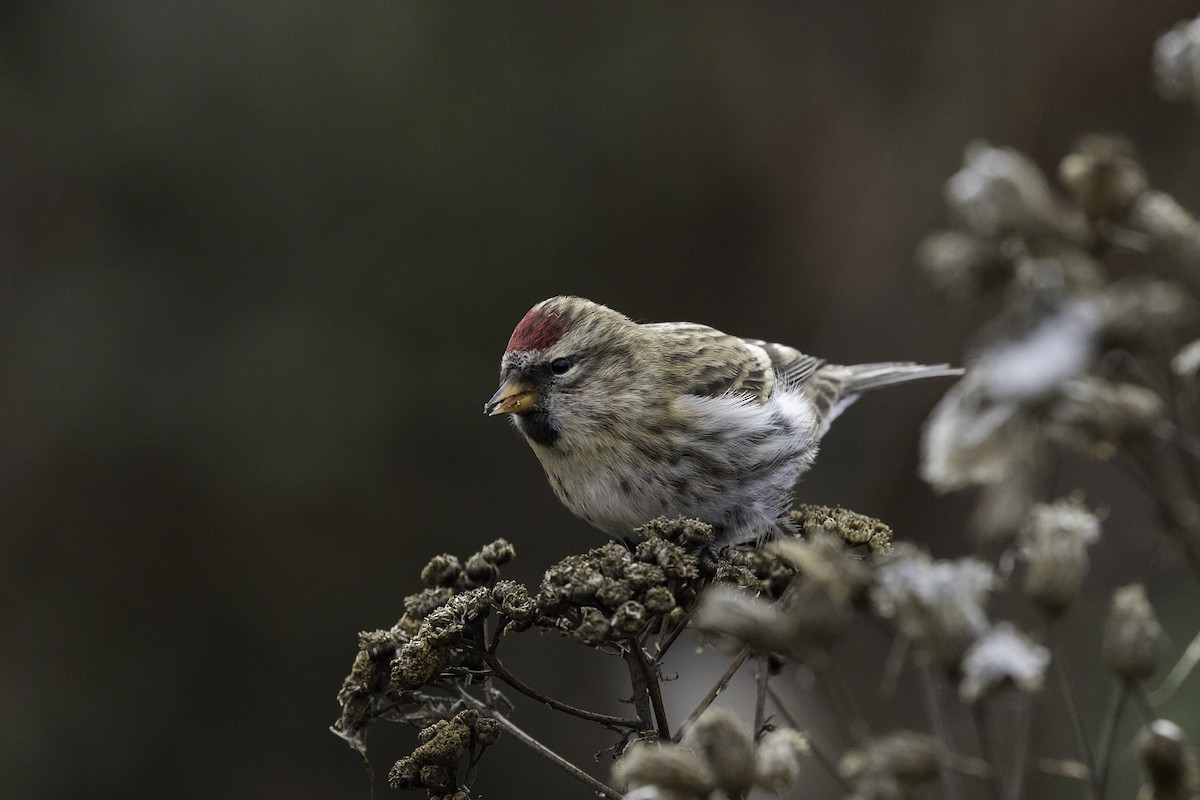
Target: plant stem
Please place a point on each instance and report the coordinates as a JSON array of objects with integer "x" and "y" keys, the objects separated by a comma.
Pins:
[
  {"x": 650, "y": 679},
  {"x": 1057, "y": 663},
  {"x": 1178, "y": 509},
  {"x": 985, "y": 748},
  {"x": 719, "y": 687},
  {"x": 640, "y": 687},
  {"x": 601, "y": 789},
  {"x": 1143, "y": 704},
  {"x": 760, "y": 697},
  {"x": 1108, "y": 739},
  {"x": 1179, "y": 673},
  {"x": 1016, "y": 787},
  {"x": 503, "y": 674},
  {"x": 933, "y": 707}
]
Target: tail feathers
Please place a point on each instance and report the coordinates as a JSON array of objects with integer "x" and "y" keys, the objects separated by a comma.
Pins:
[
  {"x": 832, "y": 388},
  {"x": 865, "y": 377}
]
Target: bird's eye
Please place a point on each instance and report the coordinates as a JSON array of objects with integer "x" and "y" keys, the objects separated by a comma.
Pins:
[{"x": 559, "y": 366}]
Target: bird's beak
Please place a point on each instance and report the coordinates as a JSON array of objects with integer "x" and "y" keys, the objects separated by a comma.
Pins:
[{"x": 515, "y": 396}]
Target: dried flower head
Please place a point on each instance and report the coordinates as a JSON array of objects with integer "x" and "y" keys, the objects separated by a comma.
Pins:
[
  {"x": 1002, "y": 657},
  {"x": 1099, "y": 417},
  {"x": 676, "y": 771},
  {"x": 731, "y": 612},
  {"x": 1177, "y": 62},
  {"x": 726, "y": 748},
  {"x": 1138, "y": 312},
  {"x": 936, "y": 604},
  {"x": 972, "y": 440},
  {"x": 1104, "y": 176},
  {"x": 1168, "y": 762},
  {"x": 777, "y": 758},
  {"x": 999, "y": 191},
  {"x": 850, "y": 526},
  {"x": 902, "y": 758},
  {"x": 1186, "y": 362},
  {"x": 1169, "y": 227},
  {"x": 433, "y": 764},
  {"x": 1030, "y": 363},
  {"x": 1054, "y": 541},
  {"x": 441, "y": 570},
  {"x": 1132, "y": 636}
]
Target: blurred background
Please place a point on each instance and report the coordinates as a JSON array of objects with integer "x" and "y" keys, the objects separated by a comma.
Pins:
[{"x": 258, "y": 263}]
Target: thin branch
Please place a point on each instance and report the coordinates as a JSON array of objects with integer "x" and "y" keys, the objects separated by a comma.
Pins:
[
  {"x": 1108, "y": 739},
  {"x": 933, "y": 707},
  {"x": 719, "y": 687},
  {"x": 652, "y": 687},
  {"x": 1143, "y": 703},
  {"x": 819, "y": 754},
  {"x": 985, "y": 748},
  {"x": 663, "y": 647},
  {"x": 1060, "y": 669},
  {"x": 1179, "y": 511},
  {"x": 1016, "y": 786},
  {"x": 1179, "y": 673},
  {"x": 640, "y": 686},
  {"x": 503, "y": 674},
  {"x": 599, "y": 788},
  {"x": 760, "y": 695}
]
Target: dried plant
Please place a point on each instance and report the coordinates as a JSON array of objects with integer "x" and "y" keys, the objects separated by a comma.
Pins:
[{"x": 1074, "y": 361}]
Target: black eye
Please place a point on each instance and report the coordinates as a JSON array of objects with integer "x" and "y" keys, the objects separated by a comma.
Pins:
[{"x": 560, "y": 365}]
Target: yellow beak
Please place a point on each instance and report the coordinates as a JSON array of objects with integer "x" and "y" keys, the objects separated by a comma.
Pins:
[{"x": 515, "y": 396}]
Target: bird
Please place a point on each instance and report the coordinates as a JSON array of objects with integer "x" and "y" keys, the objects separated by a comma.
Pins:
[{"x": 634, "y": 421}]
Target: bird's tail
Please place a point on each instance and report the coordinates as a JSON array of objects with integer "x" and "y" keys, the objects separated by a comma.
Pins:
[{"x": 833, "y": 387}]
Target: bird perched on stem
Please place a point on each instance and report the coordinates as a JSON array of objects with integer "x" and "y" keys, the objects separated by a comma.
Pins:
[{"x": 635, "y": 421}]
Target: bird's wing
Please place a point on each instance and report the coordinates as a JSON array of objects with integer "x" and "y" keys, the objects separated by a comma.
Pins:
[
  {"x": 791, "y": 366},
  {"x": 705, "y": 362}
]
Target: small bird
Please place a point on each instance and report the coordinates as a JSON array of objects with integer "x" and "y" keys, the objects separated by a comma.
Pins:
[{"x": 635, "y": 421}]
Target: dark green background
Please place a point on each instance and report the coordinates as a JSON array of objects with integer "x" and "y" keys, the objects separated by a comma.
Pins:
[{"x": 258, "y": 262}]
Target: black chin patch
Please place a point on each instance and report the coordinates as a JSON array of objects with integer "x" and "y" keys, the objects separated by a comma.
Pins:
[{"x": 538, "y": 425}]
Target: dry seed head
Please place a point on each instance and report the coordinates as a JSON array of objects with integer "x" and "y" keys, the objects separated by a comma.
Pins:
[
  {"x": 1055, "y": 539},
  {"x": 1002, "y": 657},
  {"x": 1132, "y": 635},
  {"x": 1103, "y": 176},
  {"x": 1168, "y": 762},
  {"x": 777, "y": 758},
  {"x": 666, "y": 766},
  {"x": 732, "y": 612},
  {"x": 936, "y": 604},
  {"x": 727, "y": 749}
]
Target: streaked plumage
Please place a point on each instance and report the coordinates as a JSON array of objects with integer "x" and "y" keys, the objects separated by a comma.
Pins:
[{"x": 633, "y": 421}]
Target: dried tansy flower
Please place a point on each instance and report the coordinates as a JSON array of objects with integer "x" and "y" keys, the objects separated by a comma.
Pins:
[
  {"x": 1002, "y": 657},
  {"x": 1177, "y": 62},
  {"x": 1103, "y": 176},
  {"x": 1055, "y": 539},
  {"x": 1169, "y": 227},
  {"x": 727, "y": 749},
  {"x": 732, "y": 612},
  {"x": 777, "y": 758},
  {"x": 1132, "y": 636},
  {"x": 666, "y": 766},
  {"x": 936, "y": 604},
  {"x": 900, "y": 759},
  {"x": 441, "y": 570},
  {"x": 1099, "y": 417},
  {"x": 1000, "y": 191},
  {"x": 1167, "y": 762}
]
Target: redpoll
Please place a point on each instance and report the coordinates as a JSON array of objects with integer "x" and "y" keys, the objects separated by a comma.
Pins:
[{"x": 635, "y": 421}]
